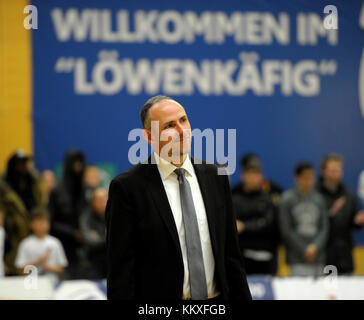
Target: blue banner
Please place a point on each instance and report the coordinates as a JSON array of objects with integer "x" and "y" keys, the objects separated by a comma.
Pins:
[{"x": 284, "y": 74}]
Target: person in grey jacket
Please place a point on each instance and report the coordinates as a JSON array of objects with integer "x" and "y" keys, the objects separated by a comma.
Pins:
[{"x": 303, "y": 222}]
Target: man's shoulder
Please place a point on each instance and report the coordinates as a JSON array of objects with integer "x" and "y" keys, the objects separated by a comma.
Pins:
[
  {"x": 208, "y": 167},
  {"x": 130, "y": 174},
  {"x": 289, "y": 195}
]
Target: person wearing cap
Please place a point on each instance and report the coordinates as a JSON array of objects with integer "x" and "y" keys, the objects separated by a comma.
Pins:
[{"x": 256, "y": 221}]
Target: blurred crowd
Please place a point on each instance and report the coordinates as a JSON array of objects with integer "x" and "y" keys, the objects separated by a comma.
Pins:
[
  {"x": 314, "y": 220},
  {"x": 58, "y": 225}
]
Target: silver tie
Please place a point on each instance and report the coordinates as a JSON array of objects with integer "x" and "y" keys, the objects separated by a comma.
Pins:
[{"x": 193, "y": 243}]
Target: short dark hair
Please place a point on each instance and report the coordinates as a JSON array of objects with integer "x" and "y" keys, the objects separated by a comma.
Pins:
[
  {"x": 329, "y": 157},
  {"x": 250, "y": 161},
  {"x": 38, "y": 213},
  {"x": 302, "y": 166},
  {"x": 144, "y": 111}
]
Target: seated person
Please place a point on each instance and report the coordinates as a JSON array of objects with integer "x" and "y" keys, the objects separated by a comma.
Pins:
[{"x": 41, "y": 249}]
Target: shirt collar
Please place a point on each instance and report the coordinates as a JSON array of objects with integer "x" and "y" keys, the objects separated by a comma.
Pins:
[{"x": 166, "y": 168}]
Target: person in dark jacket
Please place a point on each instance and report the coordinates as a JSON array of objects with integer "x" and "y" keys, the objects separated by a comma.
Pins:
[
  {"x": 23, "y": 180},
  {"x": 20, "y": 192},
  {"x": 93, "y": 231},
  {"x": 67, "y": 201},
  {"x": 15, "y": 225},
  {"x": 256, "y": 220},
  {"x": 343, "y": 212}
]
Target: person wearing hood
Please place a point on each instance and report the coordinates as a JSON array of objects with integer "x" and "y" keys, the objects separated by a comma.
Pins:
[
  {"x": 23, "y": 180},
  {"x": 343, "y": 212},
  {"x": 20, "y": 192},
  {"x": 66, "y": 202}
]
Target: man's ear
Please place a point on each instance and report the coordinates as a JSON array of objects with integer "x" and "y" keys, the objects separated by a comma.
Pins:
[{"x": 147, "y": 135}]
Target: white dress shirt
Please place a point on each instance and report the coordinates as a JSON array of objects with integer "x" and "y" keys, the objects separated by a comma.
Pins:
[{"x": 171, "y": 186}]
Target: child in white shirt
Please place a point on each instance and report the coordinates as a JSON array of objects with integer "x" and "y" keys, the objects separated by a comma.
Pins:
[{"x": 41, "y": 249}]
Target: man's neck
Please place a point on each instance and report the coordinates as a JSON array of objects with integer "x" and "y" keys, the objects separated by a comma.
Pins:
[
  {"x": 175, "y": 160},
  {"x": 248, "y": 188},
  {"x": 331, "y": 185},
  {"x": 303, "y": 191},
  {"x": 180, "y": 161}
]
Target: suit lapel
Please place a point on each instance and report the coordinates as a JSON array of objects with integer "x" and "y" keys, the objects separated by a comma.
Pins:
[
  {"x": 206, "y": 184},
  {"x": 156, "y": 188}
]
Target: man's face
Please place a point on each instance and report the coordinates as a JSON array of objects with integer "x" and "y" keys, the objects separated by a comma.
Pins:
[
  {"x": 48, "y": 179},
  {"x": 333, "y": 171},
  {"x": 92, "y": 176},
  {"x": 99, "y": 201},
  {"x": 172, "y": 136},
  {"x": 306, "y": 180},
  {"x": 252, "y": 179}
]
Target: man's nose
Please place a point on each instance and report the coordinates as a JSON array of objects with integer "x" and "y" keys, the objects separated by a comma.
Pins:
[{"x": 180, "y": 128}]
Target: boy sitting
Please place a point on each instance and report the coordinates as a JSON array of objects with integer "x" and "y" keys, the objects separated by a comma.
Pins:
[{"x": 41, "y": 249}]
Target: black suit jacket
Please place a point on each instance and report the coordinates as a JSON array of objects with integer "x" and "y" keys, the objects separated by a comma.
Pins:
[{"x": 143, "y": 252}]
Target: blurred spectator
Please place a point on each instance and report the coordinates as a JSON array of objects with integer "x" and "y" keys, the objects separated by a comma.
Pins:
[
  {"x": 40, "y": 249},
  {"x": 93, "y": 231},
  {"x": 304, "y": 225},
  {"x": 361, "y": 188},
  {"x": 66, "y": 202},
  {"x": 23, "y": 180},
  {"x": 49, "y": 181},
  {"x": 16, "y": 224},
  {"x": 2, "y": 241},
  {"x": 92, "y": 181},
  {"x": 343, "y": 212},
  {"x": 274, "y": 190},
  {"x": 256, "y": 222}
]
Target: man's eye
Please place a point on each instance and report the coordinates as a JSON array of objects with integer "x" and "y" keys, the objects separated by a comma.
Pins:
[{"x": 169, "y": 125}]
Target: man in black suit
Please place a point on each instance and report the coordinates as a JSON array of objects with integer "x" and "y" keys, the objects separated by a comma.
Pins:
[{"x": 171, "y": 231}]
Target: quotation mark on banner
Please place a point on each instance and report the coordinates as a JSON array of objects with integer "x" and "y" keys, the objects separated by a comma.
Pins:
[
  {"x": 64, "y": 64},
  {"x": 31, "y": 20},
  {"x": 328, "y": 67}
]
